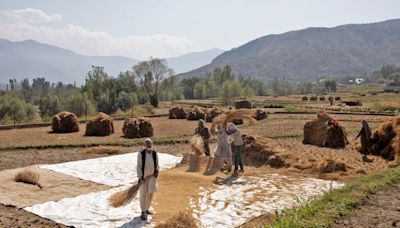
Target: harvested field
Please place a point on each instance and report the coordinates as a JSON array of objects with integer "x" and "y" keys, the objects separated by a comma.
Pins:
[{"x": 163, "y": 128}]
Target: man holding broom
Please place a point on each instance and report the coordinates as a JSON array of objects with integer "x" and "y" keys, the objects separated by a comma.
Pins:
[{"x": 147, "y": 172}]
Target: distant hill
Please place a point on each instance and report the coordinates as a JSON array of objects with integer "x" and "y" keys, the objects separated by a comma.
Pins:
[
  {"x": 306, "y": 54},
  {"x": 193, "y": 60},
  {"x": 33, "y": 59}
]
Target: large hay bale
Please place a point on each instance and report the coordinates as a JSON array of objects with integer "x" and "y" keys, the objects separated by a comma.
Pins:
[
  {"x": 64, "y": 122},
  {"x": 337, "y": 98},
  {"x": 314, "y": 98},
  {"x": 305, "y": 98},
  {"x": 196, "y": 113},
  {"x": 242, "y": 104},
  {"x": 352, "y": 103},
  {"x": 101, "y": 125},
  {"x": 260, "y": 114},
  {"x": 322, "y": 98},
  {"x": 385, "y": 140},
  {"x": 137, "y": 128},
  {"x": 177, "y": 113},
  {"x": 212, "y": 113},
  {"x": 320, "y": 132}
]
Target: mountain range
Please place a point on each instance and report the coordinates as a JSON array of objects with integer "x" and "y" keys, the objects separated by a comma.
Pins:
[
  {"x": 32, "y": 59},
  {"x": 353, "y": 49}
]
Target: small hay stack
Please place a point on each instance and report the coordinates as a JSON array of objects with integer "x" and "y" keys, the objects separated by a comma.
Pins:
[
  {"x": 320, "y": 132},
  {"x": 101, "y": 125},
  {"x": 177, "y": 113},
  {"x": 262, "y": 151},
  {"x": 28, "y": 177},
  {"x": 137, "y": 128},
  {"x": 386, "y": 139},
  {"x": 260, "y": 114},
  {"x": 196, "y": 113},
  {"x": 305, "y": 98},
  {"x": 322, "y": 98},
  {"x": 181, "y": 220},
  {"x": 212, "y": 113},
  {"x": 313, "y": 98},
  {"x": 64, "y": 122},
  {"x": 337, "y": 98},
  {"x": 242, "y": 104}
]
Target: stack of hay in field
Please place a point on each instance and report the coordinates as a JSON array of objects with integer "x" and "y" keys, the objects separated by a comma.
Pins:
[
  {"x": 137, "y": 128},
  {"x": 260, "y": 114},
  {"x": 242, "y": 104},
  {"x": 262, "y": 151},
  {"x": 305, "y": 98},
  {"x": 212, "y": 113},
  {"x": 64, "y": 122},
  {"x": 101, "y": 125},
  {"x": 325, "y": 132},
  {"x": 313, "y": 98},
  {"x": 177, "y": 113},
  {"x": 385, "y": 140},
  {"x": 28, "y": 177},
  {"x": 196, "y": 113}
]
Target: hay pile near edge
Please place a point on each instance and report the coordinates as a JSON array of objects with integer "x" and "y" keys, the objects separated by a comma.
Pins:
[
  {"x": 177, "y": 113},
  {"x": 103, "y": 150},
  {"x": 101, "y": 125},
  {"x": 386, "y": 140},
  {"x": 196, "y": 113},
  {"x": 64, "y": 122},
  {"x": 320, "y": 132},
  {"x": 28, "y": 177},
  {"x": 137, "y": 128},
  {"x": 181, "y": 220}
]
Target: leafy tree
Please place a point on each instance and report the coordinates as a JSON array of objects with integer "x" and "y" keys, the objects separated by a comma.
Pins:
[
  {"x": 15, "y": 109},
  {"x": 230, "y": 90},
  {"x": 50, "y": 105},
  {"x": 154, "y": 76}
]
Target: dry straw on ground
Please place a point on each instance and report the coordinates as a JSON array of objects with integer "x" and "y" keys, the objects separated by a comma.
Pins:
[
  {"x": 64, "y": 122},
  {"x": 101, "y": 125},
  {"x": 137, "y": 128},
  {"x": 318, "y": 132},
  {"x": 103, "y": 150},
  {"x": 181, "y": 220},
  {"x": 29, "y": 177},
  {"x": 177, "y": 113}
]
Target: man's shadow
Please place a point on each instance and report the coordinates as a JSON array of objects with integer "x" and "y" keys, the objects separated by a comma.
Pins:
[{"x": 136, "y": 222}]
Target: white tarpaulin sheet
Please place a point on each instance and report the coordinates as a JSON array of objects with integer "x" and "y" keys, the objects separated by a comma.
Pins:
[
  {"x": 114, "y": 170},
  {"x": 91, "y": 211},
  {"x": 239, "y": 200}
]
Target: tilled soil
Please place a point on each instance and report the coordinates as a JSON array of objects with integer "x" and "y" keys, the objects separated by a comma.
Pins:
[{"x": 379, "y": 210}]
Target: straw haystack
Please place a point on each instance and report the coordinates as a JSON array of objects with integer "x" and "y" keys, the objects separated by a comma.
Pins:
[
  {"x": 196, "y": 113},
  {"x": 242, "y": 104},
  {"x": 313, "y": 98},
  {"x": 386, "y": 139},
  {"x": 28, "y": 177},
  {"x": 64, "y": 122},
  {"x": 181, "y": 220},
  {"x": 260, "y": 114},
  {"x": 137, "y": 128},
  {"x": 324, "y": 131},
  {"x": 212, "y": 113},
  {"x": 225, "y": 118},
  {"x": 262, "y": 151},
  {"x": 305, "y": 98},
  {"x": 101, "y": 125},
  {"x": 177, "y": 113}
]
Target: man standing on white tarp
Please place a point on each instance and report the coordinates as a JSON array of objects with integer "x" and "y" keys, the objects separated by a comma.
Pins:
[{"x": 147, "y": 172}]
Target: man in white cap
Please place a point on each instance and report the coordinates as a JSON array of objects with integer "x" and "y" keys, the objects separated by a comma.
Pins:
[
  {"x": 238, "y": 145},
  {"x": 147, "y": 172}
]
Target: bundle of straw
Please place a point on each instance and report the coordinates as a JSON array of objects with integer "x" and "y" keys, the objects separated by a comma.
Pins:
[
  {"x": 197, "y": 144},
  {"x": 124, "y": 197},
  {"x": 224, "y": 119},
  {"x": 29, "y": 177}
]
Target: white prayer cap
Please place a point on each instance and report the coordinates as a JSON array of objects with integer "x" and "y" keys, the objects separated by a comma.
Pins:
[{"x": 148, "y": 140}]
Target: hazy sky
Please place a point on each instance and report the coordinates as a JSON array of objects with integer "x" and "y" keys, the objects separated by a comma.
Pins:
[{"x": 165, "y": 28}]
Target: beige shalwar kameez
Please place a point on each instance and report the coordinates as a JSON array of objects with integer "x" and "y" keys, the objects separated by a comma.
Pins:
[{"x": 149, "y": 185}]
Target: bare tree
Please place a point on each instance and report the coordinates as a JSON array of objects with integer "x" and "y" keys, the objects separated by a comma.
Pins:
[{"x": 154, "y": 76}]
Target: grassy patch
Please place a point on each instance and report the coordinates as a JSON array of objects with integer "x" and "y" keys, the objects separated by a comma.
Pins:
[{"x": 322, "y": 212}]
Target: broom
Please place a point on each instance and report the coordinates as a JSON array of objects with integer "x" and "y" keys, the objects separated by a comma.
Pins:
[
  {"x": 224, "y": 119},
  {"x": 124, "y": 197},
  {"x": 29, "y": 177}
]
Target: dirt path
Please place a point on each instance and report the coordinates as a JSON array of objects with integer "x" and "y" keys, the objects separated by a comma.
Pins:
[{"x": 379, "y": 210}]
